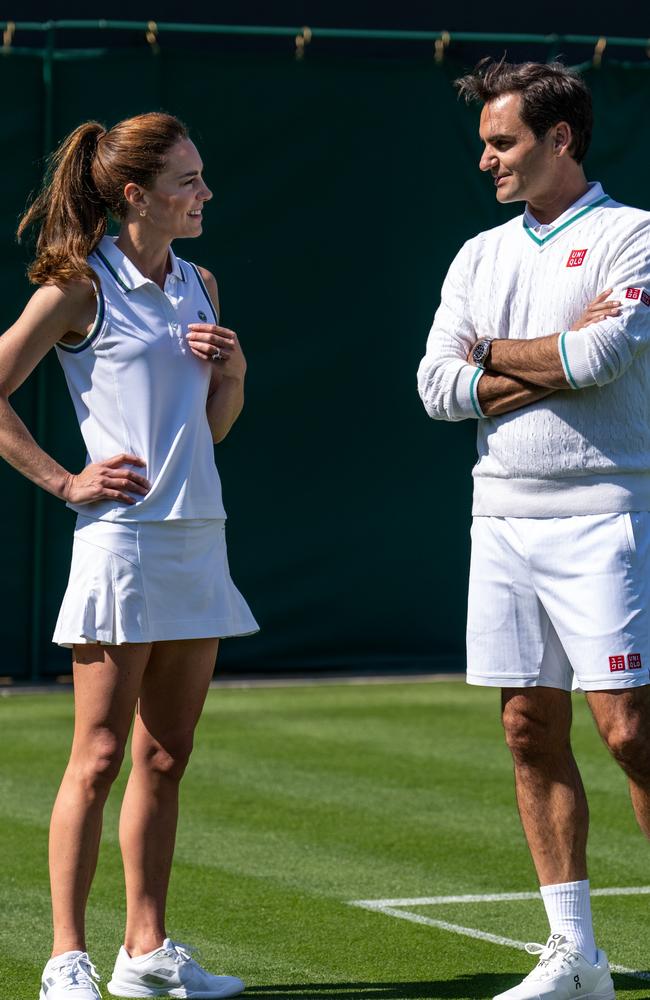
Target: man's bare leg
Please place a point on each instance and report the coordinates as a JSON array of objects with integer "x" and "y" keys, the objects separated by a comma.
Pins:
[
  {"x": 550, "y": 794},
  {"x": 623, "y": 720}
]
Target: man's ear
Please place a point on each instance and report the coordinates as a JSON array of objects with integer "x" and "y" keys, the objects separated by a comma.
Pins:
[{"x": 562, "y": 137}]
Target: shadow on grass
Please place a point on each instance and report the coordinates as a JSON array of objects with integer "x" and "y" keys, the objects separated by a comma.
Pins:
[
  {"x": 625, "y": 983},
  {"x": 475, "y": 987},
  {"x": 470, "y": 987}
]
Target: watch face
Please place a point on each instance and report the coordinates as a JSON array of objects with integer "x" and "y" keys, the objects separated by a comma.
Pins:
[{"x": 480, "y": 352}]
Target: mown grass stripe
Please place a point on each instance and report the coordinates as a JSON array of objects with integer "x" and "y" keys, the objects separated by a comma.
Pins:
[{"x": 298, "y": 800}]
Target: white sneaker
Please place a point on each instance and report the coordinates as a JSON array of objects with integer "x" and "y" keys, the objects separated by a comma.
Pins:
[
  {"x": 562, "y": 972},
  {"x": 70, "y": 976},
  {"x": 168, "y": 971}
]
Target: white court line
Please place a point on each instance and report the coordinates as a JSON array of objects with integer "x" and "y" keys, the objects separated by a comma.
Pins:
[
  {"x": 494, "y": 897},
  {"x": 390, "y": 907}
]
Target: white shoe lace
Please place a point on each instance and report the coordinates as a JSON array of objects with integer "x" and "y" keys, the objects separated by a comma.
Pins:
[
  {"x": 181, "y": 953},
  {"x": 78, "y": 972},
  {"x": 554, "y": 956}
]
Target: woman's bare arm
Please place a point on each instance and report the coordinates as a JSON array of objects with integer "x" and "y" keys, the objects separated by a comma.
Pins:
[
  {"x": 50, "y": 314},
  {"x": 226, "y": 393}
]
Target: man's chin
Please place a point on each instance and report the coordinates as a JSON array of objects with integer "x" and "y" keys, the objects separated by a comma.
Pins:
[{"x": 505, "y": 196}]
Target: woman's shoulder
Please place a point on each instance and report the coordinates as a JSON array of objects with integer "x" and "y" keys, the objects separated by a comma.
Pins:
[
  {"x": 71, "y": 306},
  {"x": 210, "y": 283},
  {"x": 208, "y": 276},
  {"x": 67, "y": 296}
]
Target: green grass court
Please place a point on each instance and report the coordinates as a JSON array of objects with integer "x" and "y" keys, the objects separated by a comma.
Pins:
[{"x": 299, "y": 800}]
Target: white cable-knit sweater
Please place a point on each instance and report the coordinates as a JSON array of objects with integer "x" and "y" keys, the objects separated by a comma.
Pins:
[{"x": 583, "y": 450}]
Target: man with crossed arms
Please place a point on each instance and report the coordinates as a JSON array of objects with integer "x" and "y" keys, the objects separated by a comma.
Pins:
[{"x": 559, "y": 589}]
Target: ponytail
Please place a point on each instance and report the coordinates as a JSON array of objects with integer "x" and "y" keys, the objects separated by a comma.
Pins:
[
  {"x": 71, "y": 213},
  {"x": 85, "y": 183}
]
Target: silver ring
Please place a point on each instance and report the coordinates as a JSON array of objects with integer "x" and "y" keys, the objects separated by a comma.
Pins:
[{"x": 217, "y": 355}]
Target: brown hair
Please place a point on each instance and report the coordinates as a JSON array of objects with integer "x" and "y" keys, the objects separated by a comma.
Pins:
[
  {"x": 85, "y": 183},
  {"x": 550, "y": 93}
]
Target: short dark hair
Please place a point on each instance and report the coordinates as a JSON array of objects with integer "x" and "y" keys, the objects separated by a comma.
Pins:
[{"x": 550, "y": 93}]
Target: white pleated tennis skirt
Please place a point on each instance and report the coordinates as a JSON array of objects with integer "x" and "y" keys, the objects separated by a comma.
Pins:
[{"x": 148, "y": 582}]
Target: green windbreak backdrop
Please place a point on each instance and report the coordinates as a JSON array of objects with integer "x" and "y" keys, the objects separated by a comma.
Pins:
[{"x": 342, "y": 188}]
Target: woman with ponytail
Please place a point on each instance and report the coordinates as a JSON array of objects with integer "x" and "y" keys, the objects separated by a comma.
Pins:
[{"x": 155, "y": 381}]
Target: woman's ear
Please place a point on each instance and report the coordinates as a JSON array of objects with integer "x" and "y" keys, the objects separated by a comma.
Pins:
[{"x": 136, "y": 197}]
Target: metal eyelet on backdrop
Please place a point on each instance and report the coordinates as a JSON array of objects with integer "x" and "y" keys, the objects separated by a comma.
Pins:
[
  {"x": 8, "y": 35},
  {"x": 440, "y": 45},
  {"x": 302, "y": 40},
  {"x": 599, "y": 48},
  {"x": 151, "y": 34}
]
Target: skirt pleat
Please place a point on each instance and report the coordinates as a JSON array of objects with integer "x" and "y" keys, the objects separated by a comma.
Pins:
[{"x": 150, "y": 581}]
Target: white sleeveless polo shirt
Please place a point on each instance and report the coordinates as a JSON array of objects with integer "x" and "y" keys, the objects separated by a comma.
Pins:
[{"x": 138, "y": 389}]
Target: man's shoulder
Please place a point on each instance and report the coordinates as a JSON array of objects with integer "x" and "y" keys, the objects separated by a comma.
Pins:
[
  {"x": 484, "y": 244},
  {"x": 618, "y": 214},
  {"x": 489, "y": 239}
]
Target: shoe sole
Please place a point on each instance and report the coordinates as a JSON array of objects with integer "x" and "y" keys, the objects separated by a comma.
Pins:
[
  {"x": 41, "y": 996},
  {"x": 116, "y": 990},
  {"x": 610, "y": 995}
]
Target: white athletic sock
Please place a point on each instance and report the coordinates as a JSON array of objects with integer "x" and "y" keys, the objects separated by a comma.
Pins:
[{"x": 568, "y": 908}]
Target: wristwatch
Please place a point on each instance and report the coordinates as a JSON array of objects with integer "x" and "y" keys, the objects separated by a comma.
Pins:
[{"x": 481, "y": 352}]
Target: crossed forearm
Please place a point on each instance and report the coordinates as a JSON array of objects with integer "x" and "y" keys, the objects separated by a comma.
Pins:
[
  {"x": 502, "y": 393},
  {"x": 520, "y": 372},
  {"x": 536, "y": 361}
]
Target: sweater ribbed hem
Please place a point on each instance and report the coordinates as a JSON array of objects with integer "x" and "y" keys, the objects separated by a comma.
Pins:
[{"x": 561, "y": 497}]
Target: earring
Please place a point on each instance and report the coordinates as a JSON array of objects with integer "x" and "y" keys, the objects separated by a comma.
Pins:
[{"x": 143, "y": 213}]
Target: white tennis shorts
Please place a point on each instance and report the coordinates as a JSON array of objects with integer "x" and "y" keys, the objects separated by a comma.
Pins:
[
  {"x": 150, "y": 581},
  {"x": 559, "y": 602}
]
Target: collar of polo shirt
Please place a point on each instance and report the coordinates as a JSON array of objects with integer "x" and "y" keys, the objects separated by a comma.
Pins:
[{"x": 124, "y": 270}]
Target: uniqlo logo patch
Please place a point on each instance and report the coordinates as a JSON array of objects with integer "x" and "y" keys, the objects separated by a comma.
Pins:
[
  {"x": 638, "y": 294},
  {"x": 634, "y": 661},
  {"x": 576, "y": 258},
  {"x": 616, "y": 663}
]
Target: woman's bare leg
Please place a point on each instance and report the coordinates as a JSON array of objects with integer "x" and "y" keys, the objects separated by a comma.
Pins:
[
  {"x": 173, "y": 692},
  {"x": 106, "y": 684}
]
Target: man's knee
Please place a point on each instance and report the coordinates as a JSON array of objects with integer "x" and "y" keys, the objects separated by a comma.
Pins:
[
  {"x": 531, "y": 735},
  {"x": 624, "y": 724},
  {"x": 524, "y": 735},
  {"x": 627, "y": 741}
]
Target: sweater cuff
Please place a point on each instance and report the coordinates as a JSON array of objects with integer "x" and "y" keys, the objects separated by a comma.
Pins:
[
  {"x": 467, "y": 391},
  {"x": 574, "y": 354}
]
